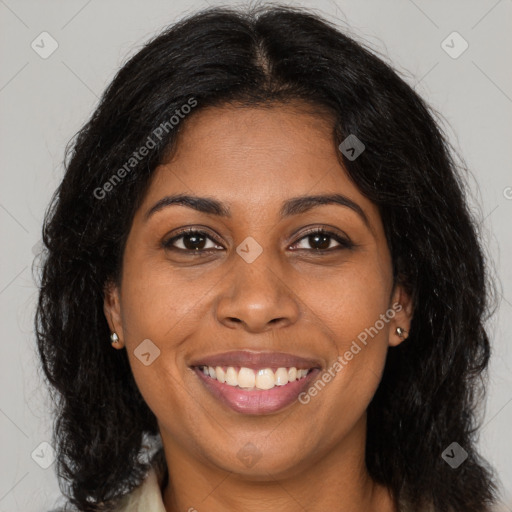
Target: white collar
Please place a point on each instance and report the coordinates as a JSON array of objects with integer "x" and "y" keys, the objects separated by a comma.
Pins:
[{"x": 147, "y": 497}]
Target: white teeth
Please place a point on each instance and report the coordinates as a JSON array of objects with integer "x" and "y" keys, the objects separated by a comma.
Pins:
[
  {"x": 249, "y": 379},
  {"x": 246, "y": 378},
  {"x": 220, "y": 374},
  {"x": 265, "y": 379},
  {"x": 231, "y": 377},
  {"x": 281, "y": 376}
]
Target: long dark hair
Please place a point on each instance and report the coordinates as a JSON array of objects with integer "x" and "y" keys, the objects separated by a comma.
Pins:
[{"x": 432, "y": 384}]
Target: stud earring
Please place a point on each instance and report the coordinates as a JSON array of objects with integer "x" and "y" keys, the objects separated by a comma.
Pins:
[
  {"x": 400, "y": 332},
  {"x": 114, "y": 339}
]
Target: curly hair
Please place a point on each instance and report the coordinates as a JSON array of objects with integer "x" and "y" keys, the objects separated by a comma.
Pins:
[{"x": 432, "y": 385}]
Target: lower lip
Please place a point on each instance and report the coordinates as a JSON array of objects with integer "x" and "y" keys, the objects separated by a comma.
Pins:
[{"x": 256, "y": 401}]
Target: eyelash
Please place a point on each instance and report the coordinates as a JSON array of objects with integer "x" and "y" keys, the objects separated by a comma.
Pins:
[{"x": 345, "y": 243}]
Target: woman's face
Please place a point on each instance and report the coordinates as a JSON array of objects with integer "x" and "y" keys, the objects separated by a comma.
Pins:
[{"x": 254, "y": 283}]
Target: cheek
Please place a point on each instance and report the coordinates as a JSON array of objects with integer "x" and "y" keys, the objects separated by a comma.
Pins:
[
  {"x": 352, "y": 301},
  {"x": 161, "y": 303},
  {"x": 353, "y": 307},
  {"x": 166, "y": 307}
]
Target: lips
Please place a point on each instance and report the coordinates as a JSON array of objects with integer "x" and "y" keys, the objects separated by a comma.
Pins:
[
  {"x": 216, "y": 371},
  {"x": 257, "y": 360}
]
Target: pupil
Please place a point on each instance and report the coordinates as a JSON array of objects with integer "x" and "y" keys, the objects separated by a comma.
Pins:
[
  {"x": 195, "y": 239},
  {"x": 324, "y": 241}
]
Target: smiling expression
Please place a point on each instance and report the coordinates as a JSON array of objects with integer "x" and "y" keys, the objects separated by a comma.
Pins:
[{"x": 283, "y": 254}]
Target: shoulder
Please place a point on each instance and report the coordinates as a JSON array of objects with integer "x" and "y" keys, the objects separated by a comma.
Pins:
[{"x": 146, "y": 497}]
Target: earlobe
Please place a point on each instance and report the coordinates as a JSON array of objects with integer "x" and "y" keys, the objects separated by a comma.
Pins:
[
  {"x": 112, "y": 310},
  {"x": 402, "y": 305}
]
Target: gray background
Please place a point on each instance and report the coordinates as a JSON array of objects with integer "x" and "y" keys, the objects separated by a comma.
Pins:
[{"x": 43, "y": 102}]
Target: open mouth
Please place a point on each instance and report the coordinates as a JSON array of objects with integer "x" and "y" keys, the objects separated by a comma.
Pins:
[
  {"x": 250, "y": 379},
  {"x": 256, "y": 391}
]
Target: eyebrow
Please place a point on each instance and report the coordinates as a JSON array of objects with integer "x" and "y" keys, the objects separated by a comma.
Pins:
[{"x": 294, "y": 206}]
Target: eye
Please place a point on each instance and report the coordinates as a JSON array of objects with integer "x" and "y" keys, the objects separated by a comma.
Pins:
[
  {"x": 192, "y": 241},
  {"x": 197, "y": 242},
  {"x": 320, "y": 240}
]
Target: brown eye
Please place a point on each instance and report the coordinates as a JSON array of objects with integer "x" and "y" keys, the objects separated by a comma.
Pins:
[
  {"x": 191, "y": 241},
  {"x": 321, "y": 240}
]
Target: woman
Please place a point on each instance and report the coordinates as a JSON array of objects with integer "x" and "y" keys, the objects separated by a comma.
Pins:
[{"x": 266, "y": 223}]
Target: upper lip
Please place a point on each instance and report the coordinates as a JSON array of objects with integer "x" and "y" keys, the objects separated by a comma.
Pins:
[{"x": 257, "y": 360}]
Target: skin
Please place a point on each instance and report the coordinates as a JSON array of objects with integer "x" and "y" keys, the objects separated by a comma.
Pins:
[{"x": 311, "y": 457}]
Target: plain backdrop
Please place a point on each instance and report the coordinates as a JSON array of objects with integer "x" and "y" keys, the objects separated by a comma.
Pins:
[{"x": 44, "y": 101}]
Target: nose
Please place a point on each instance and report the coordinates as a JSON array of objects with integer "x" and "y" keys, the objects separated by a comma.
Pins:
[{"x": 257, "y": 297}]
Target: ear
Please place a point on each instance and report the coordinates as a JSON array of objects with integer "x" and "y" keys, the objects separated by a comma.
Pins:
[
  {"x": 402, "y": 305},
  {"x": 112, "y": 310}
]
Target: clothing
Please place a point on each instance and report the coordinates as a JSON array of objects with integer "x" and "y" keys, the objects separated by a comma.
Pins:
[{"x": 147, "y": 497}]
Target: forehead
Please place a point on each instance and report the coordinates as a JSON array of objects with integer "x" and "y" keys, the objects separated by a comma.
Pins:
[
  {"x": 256, "y": 141},
  {"x": 256, "y": 157}
]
